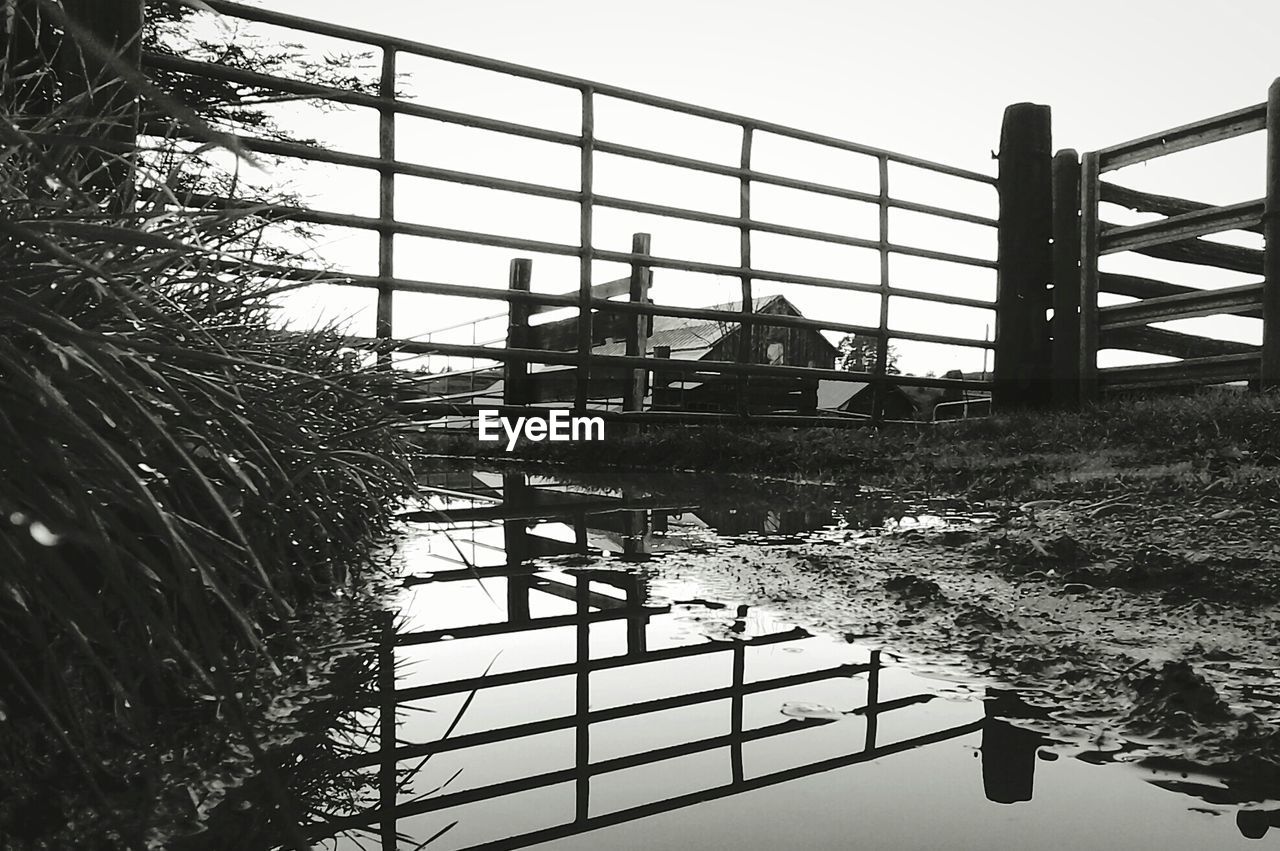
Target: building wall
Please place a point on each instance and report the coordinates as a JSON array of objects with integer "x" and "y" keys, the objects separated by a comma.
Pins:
[{"x": 800, "y": 347}]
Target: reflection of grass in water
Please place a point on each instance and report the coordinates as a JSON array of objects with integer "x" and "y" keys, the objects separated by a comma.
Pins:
[{"x": 329, "y": 795}]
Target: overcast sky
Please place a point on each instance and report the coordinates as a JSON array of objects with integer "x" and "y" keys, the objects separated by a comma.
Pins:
[{"x": 924, "y": 78}]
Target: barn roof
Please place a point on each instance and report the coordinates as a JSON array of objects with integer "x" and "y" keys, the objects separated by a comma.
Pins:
[{"x": 691, "y": 339}]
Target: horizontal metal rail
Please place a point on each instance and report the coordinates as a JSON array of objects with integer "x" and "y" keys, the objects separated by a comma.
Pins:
[
  {"x": 1235, "y": 300},
  {"x": 311, "y": 153},
  {"x": 604, "y": 505},
  {"x": 564, "y": 775},
  {"x": 644, "y": 810},
  {"x": 548, "y": 301},
  {"x": 827, "y": 419},
  {"x": 630, "y": 710},
  {"x": 485, "y": 630},
  {"x": 1180, "y": 227},
  {"x": 404, "y": 45},
  {"x": 397, "y": 226},
  {"x": 678, "y": 365},
  {"x": 545, "y": 672},
  {"x": 1218, "y": 128},
  {"x": 595, "y": 716}
]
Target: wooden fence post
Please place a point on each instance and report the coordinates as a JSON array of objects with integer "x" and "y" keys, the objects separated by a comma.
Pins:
[
  {"x": 516, "y": 389},
  {"x": 1088, "y": 376},
  {"x": 638, "y": 326},
  {"x": 1066, "y": 279},
  {"x": 1270, "y": 378},
  {"x": 1025, "y": 262}
]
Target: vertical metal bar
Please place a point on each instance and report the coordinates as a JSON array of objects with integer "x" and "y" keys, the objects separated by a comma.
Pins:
[
  {"x": 882, "y": 341},
  {"x": 515, "y": 373},
  {"x": 638, "y": 326},
  {"x": 583, "y": 700},
  {"x": 386, "y": 201},
  {"x": 1270, "y": 377},
  {"x": 1089, "y": 192},
  {"x": 746, "y": 331},
  {"x": 1066, "y": 279},
  {"x": 587, "y": 151}
]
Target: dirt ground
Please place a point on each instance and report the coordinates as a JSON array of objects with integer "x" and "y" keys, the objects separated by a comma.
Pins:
[{"x": 1149, "y": 631}]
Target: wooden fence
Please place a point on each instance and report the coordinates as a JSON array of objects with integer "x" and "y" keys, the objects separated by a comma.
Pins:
[
  {"x": 1080, "y": 189},
  {"x": 588, "y": 300}
]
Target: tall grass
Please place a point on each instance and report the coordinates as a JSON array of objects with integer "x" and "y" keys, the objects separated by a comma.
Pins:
[{"x": 178, "y": 475}]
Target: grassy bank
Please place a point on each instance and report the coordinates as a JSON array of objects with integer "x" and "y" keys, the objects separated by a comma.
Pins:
[
  {"x": 181, "y": 483},
  {"x": 1158, "y": 443}
]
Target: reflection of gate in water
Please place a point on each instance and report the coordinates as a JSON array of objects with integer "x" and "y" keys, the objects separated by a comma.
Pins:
[{"x": 600, "y": 596}]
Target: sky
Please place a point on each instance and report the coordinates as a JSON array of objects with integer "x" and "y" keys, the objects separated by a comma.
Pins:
[{"x": 929, "y": 79}]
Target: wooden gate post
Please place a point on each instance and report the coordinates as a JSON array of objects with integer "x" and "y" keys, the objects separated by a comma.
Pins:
[
  {"x": 1066, "y": 279},
  {"x": 638, "y": 326},
  {"x": 515, "y": 373},
  {"x": 1025, "y": 262},
  {"x": 1270, "y": 378},
  {"x": 1089, "y": 279}
]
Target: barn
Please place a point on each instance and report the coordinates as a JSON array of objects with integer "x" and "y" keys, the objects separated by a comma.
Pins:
[{"x": 683, "y": 338}]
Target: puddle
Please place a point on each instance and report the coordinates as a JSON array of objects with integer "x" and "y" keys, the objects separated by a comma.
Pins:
[{"x": 554, "y": 680}]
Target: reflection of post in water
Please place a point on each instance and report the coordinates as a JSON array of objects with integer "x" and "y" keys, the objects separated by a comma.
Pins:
[
  {"x": 583, "y": 702},
  {"x": 515, "y": 542},
  {"x": 387, "y": 786},
  {"x": 1254, "y": 824},
  {"x": 1008, "y": 752},
  {"x": 637, "y": 588},
  {"x": 735, "y": 704},
  {"x": 635, "y": 530},
  {"x": 873, "y": 700}
]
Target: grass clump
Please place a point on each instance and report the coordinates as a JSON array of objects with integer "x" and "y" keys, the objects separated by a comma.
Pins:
[{"x": 179, "y": 475}]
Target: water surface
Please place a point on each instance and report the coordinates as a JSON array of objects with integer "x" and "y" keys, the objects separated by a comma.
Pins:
[{"x": 553, "y": 682}]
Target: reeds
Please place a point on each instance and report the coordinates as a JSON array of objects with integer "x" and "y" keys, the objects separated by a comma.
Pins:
[{"x": 178, "y": 474}]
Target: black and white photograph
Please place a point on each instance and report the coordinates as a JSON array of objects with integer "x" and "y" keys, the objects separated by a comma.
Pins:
[{"x": 585, "y": 425}]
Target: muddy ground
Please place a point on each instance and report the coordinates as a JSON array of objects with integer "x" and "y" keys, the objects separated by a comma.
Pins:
[{"x": 1148, "y": 630}]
